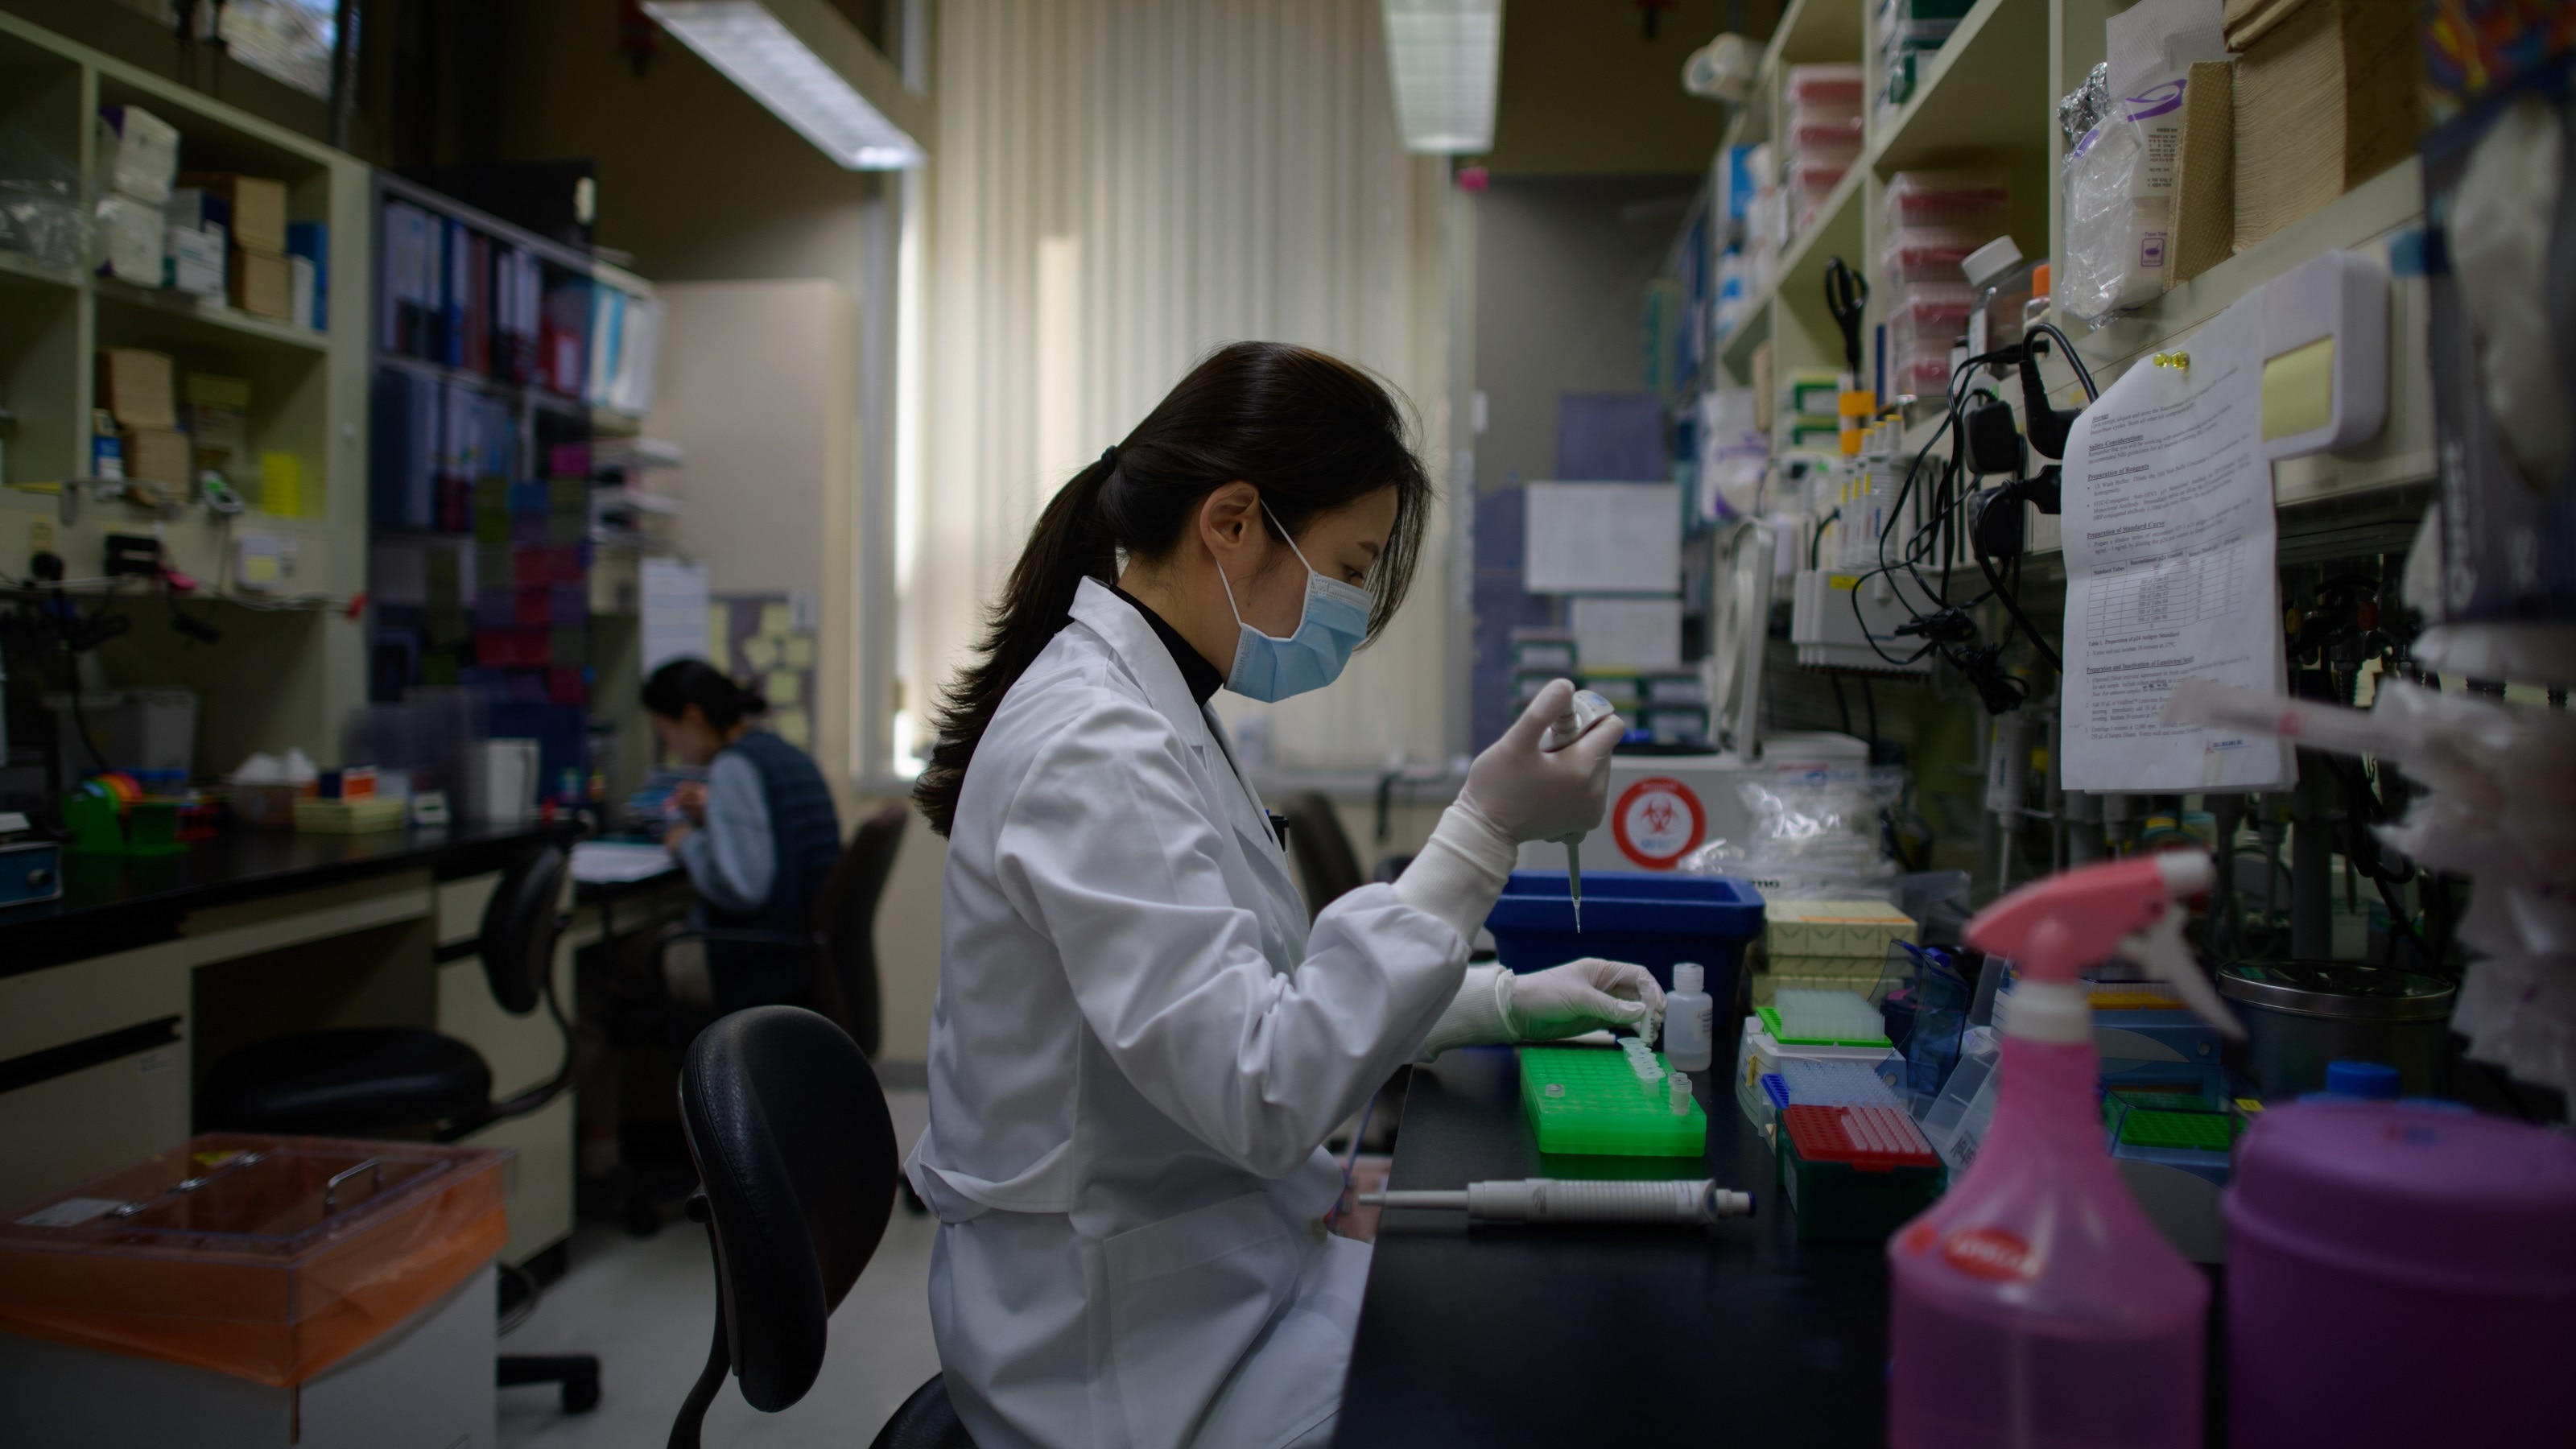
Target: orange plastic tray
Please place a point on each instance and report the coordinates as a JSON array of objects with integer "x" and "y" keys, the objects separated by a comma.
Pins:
[{"x": 238, "y": 1253}]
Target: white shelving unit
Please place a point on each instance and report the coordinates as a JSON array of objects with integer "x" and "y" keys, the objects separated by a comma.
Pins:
[
  {"x": 291, "y": 661},
  {"x": 1988, "y": 99}
]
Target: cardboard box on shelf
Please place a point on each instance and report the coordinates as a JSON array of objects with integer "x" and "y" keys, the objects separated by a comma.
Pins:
[
  {"x": 2327, "y": 94},
  {"x": 258, "y": 207},
  {"x": 138, "y": 152},
  {"x": 2204, "y": 178},
  {"x": 130, "y": 239},
  {"x": 134, "y": 385},
  {"x": 263, "y": 284},
  {"x": 158, "y": 455},
  {"x": 1833, "y": 929}
]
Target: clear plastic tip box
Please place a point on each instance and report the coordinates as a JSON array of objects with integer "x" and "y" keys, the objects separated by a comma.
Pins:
[{"x": 271, "y": 1258}]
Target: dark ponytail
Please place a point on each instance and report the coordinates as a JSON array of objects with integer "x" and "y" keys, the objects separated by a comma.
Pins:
[
  {"x": 684, "y": 682},
  {"x": 1313, "y": 433}
]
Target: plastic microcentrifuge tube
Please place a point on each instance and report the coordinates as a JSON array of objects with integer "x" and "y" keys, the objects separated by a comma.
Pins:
[{"x": 1680, "y": 1086}]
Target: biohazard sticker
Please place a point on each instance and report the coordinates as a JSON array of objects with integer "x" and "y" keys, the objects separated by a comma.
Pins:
[{"x": 1657, "y": 821}]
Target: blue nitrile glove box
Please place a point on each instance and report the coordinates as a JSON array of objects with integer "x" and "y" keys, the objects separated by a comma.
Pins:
[{"x": 1650, "y": 918}]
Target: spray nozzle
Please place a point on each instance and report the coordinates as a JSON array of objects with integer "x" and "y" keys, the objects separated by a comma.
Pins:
[{"x": 2130, "y": 908}]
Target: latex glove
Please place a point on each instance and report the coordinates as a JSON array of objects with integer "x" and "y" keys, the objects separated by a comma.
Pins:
[
  {"x": 1580, "y": 996},
  {"x": 1529, "y": 793},
  {"x": 1514, "y": 792}
]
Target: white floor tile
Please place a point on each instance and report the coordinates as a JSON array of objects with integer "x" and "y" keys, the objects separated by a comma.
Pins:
[{"x": 648, "y": 1310}]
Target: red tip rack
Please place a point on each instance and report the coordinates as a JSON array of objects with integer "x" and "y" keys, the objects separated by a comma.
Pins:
[{"x": 1865, "y": 1139}]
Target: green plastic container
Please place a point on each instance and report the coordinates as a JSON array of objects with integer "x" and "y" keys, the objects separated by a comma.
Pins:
[
  {"x": 1602, "y": 1108},
  {"x": 1854, "y": 1174}
]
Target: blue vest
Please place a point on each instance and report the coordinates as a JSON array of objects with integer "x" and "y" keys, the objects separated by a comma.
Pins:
[{"x": 805, "y": 840}]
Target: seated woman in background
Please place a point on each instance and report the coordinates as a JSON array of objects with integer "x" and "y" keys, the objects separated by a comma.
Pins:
[{"x": 757, "y": 837}]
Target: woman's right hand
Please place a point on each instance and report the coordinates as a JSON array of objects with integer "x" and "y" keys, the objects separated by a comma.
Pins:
[
  {"x": 689, "y": 797},
  {"x": 1531, "y": 793}
]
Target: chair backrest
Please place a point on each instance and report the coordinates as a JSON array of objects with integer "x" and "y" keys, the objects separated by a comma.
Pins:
[
  {"x": 845, "y": 920},
  {"x": 796, "y": 1154},
  {"x": 520, "y": 925},
  {"x": 1326, "y": 863}
]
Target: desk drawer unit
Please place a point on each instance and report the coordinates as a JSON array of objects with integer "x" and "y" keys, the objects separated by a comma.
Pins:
[{"x": 93, "y": 1070}]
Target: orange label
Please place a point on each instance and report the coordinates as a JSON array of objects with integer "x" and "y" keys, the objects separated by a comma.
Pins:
[
  {"x": 1918, "y": 1238},
  {"x": 1990, "y": 1253}
]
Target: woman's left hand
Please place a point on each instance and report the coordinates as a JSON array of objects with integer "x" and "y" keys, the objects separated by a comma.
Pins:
[{"x": 1581, "y": 996}]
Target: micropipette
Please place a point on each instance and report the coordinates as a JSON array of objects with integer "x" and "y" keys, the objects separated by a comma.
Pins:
[
  {"x": 1560, "y": 1200},
  {"x": 1580, "y": 715}
]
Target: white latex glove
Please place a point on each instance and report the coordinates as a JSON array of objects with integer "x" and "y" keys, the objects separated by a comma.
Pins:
[
  {"x": 1580, "y": 996},
  {"x": 1529, "y": 793},
  {"x": 1514, "y": 792},
  {"x": 1494, "y": 1007}
]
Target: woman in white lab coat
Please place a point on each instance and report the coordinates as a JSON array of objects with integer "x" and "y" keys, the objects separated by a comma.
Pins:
[{"x": 1139, "y": 1047}]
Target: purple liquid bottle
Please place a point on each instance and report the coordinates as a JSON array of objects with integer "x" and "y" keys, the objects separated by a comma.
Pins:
[{"x": 2034, "y": 1305}]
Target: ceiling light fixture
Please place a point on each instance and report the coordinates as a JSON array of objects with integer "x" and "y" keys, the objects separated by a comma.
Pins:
[
  {"x": 1444, "y": 55},
  {"x": 782, "y": 69}
]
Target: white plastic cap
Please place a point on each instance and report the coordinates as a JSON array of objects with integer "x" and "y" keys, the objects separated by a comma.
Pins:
[
  {"x": 1688, "y": 976},
  {"x": 1990, "y": 261}
]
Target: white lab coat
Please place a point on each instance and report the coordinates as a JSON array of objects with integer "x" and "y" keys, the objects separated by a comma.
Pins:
[{"x": 1135, "y": 1053}]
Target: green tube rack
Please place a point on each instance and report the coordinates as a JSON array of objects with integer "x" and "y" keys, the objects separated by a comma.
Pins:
[{"x": 1603, "y": 1108}]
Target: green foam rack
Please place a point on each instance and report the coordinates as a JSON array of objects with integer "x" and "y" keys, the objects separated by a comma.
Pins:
[
  {"x": 2204, "y": 1131},
  {"x": 1605, "y": 1110}
]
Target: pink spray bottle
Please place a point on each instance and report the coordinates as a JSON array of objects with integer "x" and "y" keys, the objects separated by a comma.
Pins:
[{"x": 2034, "y": 1305}]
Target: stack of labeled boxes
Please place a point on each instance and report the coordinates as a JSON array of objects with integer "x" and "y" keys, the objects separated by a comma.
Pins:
[
  {"x": 262, "y": 278},
  {"x": 1823, "y": 139},
  {"x": 1833, "y": 945},
  {"x": 1934, "y": 219},
  {"x": 139, "y": 432},
  {"x": 138, "y": 154}
]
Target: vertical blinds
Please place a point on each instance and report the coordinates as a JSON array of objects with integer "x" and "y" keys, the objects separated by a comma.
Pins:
[{"x": 1118, "y": 186}]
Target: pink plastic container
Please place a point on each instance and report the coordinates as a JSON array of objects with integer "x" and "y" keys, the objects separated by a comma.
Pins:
[
  {"x": 2427, "y": 1255},
  {"x": 2034, "y": 1304},
  {"x": 1821, "y": 91}
]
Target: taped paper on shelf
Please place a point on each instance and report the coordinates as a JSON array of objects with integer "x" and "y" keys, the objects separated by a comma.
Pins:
[{"x": 2171, "y": 570}]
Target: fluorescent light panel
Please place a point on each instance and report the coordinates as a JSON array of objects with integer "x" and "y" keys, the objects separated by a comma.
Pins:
[
  {"x": 1443, "y": 54},
  {"x": 761, "y": 55}
]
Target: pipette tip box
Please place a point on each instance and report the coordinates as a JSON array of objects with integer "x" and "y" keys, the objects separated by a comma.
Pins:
[
  {"x": 1584, "y": 1101},
  {"x": 1854, "y": 1174}
]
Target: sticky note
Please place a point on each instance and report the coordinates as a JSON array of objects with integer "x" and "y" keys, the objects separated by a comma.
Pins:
[
  {"x": 794, "y": 727},
  {"x": 760, "y": 651},
  {"x": 784, "y": 687},
  {"x": 260, "y": 570},
  {"x": 799, "y": 651},
  {"x": 719, "y": 634},
  {"x": 775, "y": 621},
  {"x": 281, "y": 485},
  {"x": 2298, "y": 390}
]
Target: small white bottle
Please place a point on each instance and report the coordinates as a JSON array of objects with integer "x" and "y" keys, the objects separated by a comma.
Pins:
[{"x": 1690, "y": 1019}]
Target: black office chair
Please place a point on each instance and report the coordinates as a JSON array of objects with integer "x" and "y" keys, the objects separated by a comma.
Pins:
[
  {"x": 1326, "y": 864},
  {"x": 373, "y": 1081},
  {"x": 796, "y": 1153},
  {"x": 835, "y": 956}
]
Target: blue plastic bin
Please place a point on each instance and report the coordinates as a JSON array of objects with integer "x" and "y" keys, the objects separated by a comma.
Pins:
[{"x": 1653, "y": 920}]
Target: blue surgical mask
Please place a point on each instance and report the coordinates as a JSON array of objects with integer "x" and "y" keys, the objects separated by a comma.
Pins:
[{"x": 1335, "y": 620}]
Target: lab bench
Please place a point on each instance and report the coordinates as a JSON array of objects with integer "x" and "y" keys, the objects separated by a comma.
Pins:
[
  {"x": 1551, "y": 1335},
  {"x": 116, "y": 999}
]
